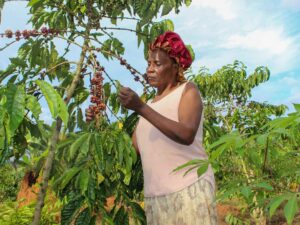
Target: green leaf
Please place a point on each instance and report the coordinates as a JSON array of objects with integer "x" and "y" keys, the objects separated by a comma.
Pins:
[
  {"x": 261, "y": 140},
  {"x": 18, "y": 62},
  {"x": 265, "y": 185},
  {"x": 91, "y": 195},
  {"x": 15, "y": 105},
  {"x": 275, "y": 203},
  {"x": 5, "y": 136},
  {"x": 34, "y": 2},
  {"x": 138, "y": 212},
  {"x": 9, "y": 71},
  {"x": 121, "y": 217},
  {"x": 190, "y": 169},
  {"x": 114, "y": 103},
  {"x": 81, "y": 142},
  {"x": 202, "y": 168},
  {"x": 50, "y": 96},
  {"x": 68, "y": 175},
  {"x": 33, "y": 105},
  {"x": 99, "y": 151},
  {"x": 62, "y": 109},
  {"x": 246, "y": 191},
  {"x": 84, "y": 177},
  {"x": 219, "y": 151},
  {"x": 84, "y": 217},
  {"x": 100, "y": 178},
  {"x": 167, "y": 8},
  {"x": 83, "y": 9},
  {"x": 168, "y": 25},
  {"x": 70, "y": 209},
  {"x": 187, "y": 2},
  {"x": 191, "y": 51},
  {"x": 3, "y": 100},
  {"x": 189, "y": 163},
  {"x": 80, "y": 121},
  {"x": 107, "y": 90},
  {"x": 297, "y": 107},
  {"x": 121, "y": 148},
  {"x": 290, "y": 209},
  {"x": 93, "y": 220}
]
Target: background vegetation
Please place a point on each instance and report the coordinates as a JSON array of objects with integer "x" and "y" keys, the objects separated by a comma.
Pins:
[{"x": 78, "y": 166}]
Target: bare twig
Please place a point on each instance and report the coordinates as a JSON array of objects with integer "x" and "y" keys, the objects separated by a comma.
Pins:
[{"x": 7, "y": 45}]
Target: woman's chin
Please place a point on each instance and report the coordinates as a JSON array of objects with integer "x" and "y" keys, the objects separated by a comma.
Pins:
[{"x": 152, "y": 83}]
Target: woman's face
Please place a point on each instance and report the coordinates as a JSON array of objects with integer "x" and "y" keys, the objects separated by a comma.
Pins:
[{"x": 161, "y": 68}]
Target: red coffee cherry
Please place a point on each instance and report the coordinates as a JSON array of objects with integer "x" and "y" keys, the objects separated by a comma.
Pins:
[
  {"x": 8, "y": 33},
  {"x": 25, "y": 34}
]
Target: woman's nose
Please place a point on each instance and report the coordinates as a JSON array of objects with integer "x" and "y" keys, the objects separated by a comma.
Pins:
[{"x": 149, "y": 69}]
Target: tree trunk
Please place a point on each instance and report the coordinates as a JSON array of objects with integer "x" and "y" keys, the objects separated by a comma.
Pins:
[{"x": 54, "y": 140}]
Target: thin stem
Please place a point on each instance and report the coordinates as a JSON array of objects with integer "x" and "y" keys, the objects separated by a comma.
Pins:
[
  {"x": 266, "y": 154},
  {"x": 64, "y": 62},
  {"x": 111, "y": 80},
  {"x": 69, "y": 41},
  {"x": 120, "y": 17},
  {"x": 7, "y": 45},
  {"x": 122, "y": 28},
  {"x": 117, "y": 117}
]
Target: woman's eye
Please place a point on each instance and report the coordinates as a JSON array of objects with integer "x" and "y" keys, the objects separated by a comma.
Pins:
[{"x": 156, "y": 64}]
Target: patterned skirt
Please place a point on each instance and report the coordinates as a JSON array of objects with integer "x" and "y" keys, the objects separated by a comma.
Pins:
[{"x": 194, "y": 205}]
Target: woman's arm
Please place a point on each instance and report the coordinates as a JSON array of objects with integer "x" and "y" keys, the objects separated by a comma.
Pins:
[
  {"x": 134, "y": 142},
  {"x": 189, "y": 112}
]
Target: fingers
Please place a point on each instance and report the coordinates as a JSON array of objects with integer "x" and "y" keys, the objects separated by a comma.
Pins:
[
  {"x": 127, "y": 97},
  {"x": 122, "y": 97},
  {"x": 125, "y": 90}
]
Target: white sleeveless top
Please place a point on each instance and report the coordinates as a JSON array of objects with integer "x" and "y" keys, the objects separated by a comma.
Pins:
[{"x": 160, "y": 155}]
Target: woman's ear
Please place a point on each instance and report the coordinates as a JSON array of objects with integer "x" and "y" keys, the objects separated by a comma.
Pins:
[{"x": 176, "y": 67}]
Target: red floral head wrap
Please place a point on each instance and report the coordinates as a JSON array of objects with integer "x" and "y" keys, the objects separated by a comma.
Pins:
[{"x": 174, "y": 46}]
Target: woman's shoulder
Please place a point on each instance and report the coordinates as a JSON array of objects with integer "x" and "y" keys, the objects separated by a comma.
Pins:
[
  {"x": 190, "y": 86},
  {"x": 191, "y": 93}
]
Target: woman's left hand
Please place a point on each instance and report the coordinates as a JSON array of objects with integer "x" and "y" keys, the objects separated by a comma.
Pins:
[{"x": 129, "y": 99}]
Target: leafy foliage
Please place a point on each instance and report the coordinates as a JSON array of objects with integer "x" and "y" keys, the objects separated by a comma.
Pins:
[
  {"x": 250, "y": 148},
  {"x": 9, "y": 183},
  {"x": 12, "y": 214}
]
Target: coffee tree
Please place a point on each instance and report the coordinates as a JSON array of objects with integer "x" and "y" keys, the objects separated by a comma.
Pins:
[{"x": 85, "y": 162}]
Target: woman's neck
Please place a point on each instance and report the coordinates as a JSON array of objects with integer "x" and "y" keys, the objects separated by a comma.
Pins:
[{"x": 165, "y": 89}]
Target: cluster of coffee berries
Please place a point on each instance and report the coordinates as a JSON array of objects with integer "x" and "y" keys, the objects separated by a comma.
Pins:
[
  {"x": 30, "y": 33},
  {"x": 136, "y": 74},
  {"x": 96, "y": 92}
]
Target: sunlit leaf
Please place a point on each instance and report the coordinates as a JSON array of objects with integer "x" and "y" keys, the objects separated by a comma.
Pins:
[
  {"x": 50, "y": 96},
  {"x": 290, "y": 209},
  {"x": 81, "y": 142},
  {"x": 275, "y": 203},
  {"x": 33, "y": 105},
  {"x": 15, "y": 105}
]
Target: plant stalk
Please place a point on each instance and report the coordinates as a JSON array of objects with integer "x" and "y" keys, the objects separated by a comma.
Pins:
[{"x": 54, "y": 140}]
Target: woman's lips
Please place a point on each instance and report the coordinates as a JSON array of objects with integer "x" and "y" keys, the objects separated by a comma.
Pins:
[{"x": 150, "y": 78}]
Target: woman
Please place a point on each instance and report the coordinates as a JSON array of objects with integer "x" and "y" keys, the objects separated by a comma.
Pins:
[{"x": 169, "y": 134}]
